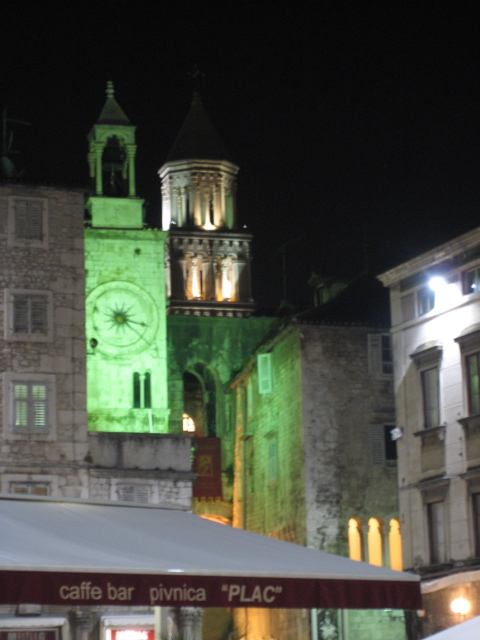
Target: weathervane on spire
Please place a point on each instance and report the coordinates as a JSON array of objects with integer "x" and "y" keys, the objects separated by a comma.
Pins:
[{"x": 197, "y": 76}]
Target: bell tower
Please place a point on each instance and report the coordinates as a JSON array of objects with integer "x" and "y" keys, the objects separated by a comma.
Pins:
[
  {"x": 111, "y": 159},
  {"x": 208, "y": 262},
  {"x": 125, "y": 289}
]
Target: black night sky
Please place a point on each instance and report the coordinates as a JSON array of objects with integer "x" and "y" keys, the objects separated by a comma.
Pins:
[{"x": 355, "y": 124}]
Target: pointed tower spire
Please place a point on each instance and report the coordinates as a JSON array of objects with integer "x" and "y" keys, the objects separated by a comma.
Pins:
[
  {"x": 209, "y": 267},
  {"x": 198, "y": 138},
  {"x": 112, "y": 113},
  {"x": 111, "y": 159}
]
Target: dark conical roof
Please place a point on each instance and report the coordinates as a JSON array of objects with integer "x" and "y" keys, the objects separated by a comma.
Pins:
[
  {"x": 198, "y": 139},
  {"x": 112, "y": 112}
]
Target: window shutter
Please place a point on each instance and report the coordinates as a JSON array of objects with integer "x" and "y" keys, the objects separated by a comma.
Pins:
[
  {"x": 28, "y": 220},
  {"x": 20, "y": 392},
  {"x": 20, "y": 314},
  {"x": 142, "y": 494},
  {"x": 375, "y": 352},
  {"x": 377, "y": 445},
  {"x": 38, "y": 314},
  {"x": 134, "y": 493},
  {"x": 264, "y": 365},
  {"x": 39, "y": 404},
  {"x": 125, "y": 493}
]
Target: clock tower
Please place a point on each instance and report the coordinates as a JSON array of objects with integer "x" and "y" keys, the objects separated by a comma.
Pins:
[{"x": 125, "y": 288}]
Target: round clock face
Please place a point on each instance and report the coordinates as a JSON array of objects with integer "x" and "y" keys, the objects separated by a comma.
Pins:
[{"x": 121, "y": 318}]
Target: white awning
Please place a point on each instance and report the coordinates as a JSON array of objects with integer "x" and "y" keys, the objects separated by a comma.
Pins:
[
  {"x": 468, "y": 630},
  {"x": 77, "y": 553}
]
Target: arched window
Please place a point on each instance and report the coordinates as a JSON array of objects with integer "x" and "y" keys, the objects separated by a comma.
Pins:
[
  {"x": 142, "y": 390},
  {"x": 355, "y": 544},
  {"x": 375, "y": 551},
  {"x": 395, "y": 545},
  {"x": 200, "y": 398},
  {"x": 188, "y": 423}
]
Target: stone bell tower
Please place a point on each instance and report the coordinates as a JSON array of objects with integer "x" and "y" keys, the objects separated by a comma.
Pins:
[
  {"x": 208, "y": 261},
  {"x": 125, "y": 287},
  {"x": 111, "y": 159}
]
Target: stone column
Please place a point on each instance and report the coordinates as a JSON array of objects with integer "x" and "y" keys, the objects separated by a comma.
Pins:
[
  {"x": 190, "y": 620},
  {"x": 98, "y": 169},
  {"x": 131, "y": 150},
  {"x": 83, "y": 623}
]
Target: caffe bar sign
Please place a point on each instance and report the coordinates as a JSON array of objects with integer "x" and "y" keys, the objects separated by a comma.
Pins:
[{"x": 76, "y": 589}]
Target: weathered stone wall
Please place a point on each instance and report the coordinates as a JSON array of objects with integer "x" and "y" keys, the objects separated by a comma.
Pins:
[
  {"x": 54, "y": 265},
  {"x": 323, "y": 401},
  {"x": 341, "y": 400}
]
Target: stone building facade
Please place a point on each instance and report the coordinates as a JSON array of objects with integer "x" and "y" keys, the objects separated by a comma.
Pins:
[
  {"x": 435, "y": 308},
  {"x": 314, "y": 460}
]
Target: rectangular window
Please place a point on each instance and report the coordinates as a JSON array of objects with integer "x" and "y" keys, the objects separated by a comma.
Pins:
[
  {"x": 436, "y": 532},
  {"x": 272, "y": 460},
  {"x": 431, "y": 399},
  {"x": 476, "y": 521},
  {"x": 264, "y": 366},
  {"x": 383, "y": 448},
  {"x": 380, "y": 359},
  {"x": 30, "y": 314},
  {"x": 471, "y": 281},
  {"x": 30, "y": 406},
  {"x": 27, "y": 222},
  {"x": 473, "y": 387},
  {"x": 139, "y": 493},
  {"x": 408, "y": 307},
  {"x": 425, "y": 300},
  {"x": 30, "y": 488}
]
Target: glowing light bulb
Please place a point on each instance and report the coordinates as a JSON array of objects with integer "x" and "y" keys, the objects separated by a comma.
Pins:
[{"x": 460, "y": 605}]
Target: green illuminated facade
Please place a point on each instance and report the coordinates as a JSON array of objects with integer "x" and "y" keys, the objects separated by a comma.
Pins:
[{"x": 125, "y": 289}]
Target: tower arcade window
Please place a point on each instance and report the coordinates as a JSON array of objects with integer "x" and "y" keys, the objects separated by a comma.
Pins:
[
  {"x": 355, "y": 542},
  {"x": 142, "y": 390},
  {"x": 114, "y": 169}
]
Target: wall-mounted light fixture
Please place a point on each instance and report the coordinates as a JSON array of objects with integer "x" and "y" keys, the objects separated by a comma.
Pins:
[{"x": 460, "y": 606}]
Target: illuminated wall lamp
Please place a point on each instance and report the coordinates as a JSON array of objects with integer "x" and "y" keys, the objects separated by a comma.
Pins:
[
  {"x": 437, "y": 283},
  {"x": 460, "y": 606}
]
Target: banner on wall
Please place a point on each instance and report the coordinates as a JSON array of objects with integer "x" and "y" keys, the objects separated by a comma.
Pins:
[{"x": 207, "y": 463}]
